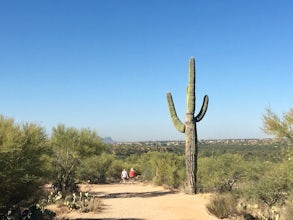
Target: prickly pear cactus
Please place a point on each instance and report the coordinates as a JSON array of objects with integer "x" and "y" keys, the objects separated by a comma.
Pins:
[{"x": 189, "y": 128}]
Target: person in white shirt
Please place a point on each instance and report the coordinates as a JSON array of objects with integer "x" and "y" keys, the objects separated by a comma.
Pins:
[{"x": 124, "y": 175}]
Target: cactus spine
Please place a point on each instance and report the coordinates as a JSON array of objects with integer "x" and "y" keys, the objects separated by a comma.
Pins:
[{"x": 189, "y": 128}]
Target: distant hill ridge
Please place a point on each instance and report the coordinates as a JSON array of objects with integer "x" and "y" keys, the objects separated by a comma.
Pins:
[{"x": 108, "y": 140}]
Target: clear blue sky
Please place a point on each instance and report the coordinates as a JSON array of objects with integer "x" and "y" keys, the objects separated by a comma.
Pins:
[{"x": 107, "y": 64}]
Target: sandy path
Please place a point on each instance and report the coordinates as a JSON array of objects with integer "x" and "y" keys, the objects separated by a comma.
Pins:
[{"x": 142, "y": 202}]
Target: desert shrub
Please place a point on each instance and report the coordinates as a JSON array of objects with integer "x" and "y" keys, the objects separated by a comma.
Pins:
[
  {"x": 147, "y": 167},
  {"x": 114, "y": 171},
  {"x": 66, "y": 158},
  {"x": 163, "y": 168},
  {"x": 269, "y": 185},
  {"x": 105, "y": 168},
  {"x": 271, "y": 192},
  {"x": 221, "y": 173},
  {"x": 71, "y": 148},
  {"x": 222, "y": 205},
  {"x": 22, "y": 149},
  {"x": 272, "y": 185},
  {"x": 95, "y": 169},
  {"x": 133, "y": 161},
  {"x": 65, "y": 171}
]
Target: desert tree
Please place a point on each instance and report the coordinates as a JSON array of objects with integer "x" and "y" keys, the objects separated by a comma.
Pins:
[
  {"x": 71, "y": 147},
  {"x": 23, "y": 164},
  {"x": 279, "y": 127}
]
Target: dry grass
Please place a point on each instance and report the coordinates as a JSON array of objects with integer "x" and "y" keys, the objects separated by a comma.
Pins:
[{"x": 222, "y": 206}]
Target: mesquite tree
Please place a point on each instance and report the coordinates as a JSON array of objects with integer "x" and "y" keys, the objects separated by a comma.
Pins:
[{"x": 189, "y": 128}]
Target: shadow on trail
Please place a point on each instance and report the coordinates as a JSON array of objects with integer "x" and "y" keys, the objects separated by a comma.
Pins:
[{"x": 134, "y": 194}]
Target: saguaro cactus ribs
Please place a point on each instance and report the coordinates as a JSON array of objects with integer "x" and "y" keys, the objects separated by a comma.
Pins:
[{"x": 189, "y": 128}]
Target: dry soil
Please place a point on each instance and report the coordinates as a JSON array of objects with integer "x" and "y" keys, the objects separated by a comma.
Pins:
[{"x": 139, "y": 201}]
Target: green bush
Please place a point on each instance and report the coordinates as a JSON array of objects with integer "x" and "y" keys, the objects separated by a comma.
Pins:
[
  {"x": 221, "y": 173},
  {"x": 163, "y": 168},
  {"x": 64, "y": 173},
  {"x": 71, "y": 149},
  {"x": 95, "y": 168},
  {"x": 114, "y": 171},
  {"x": 271, "y": 185},
  {"x": 22, "y": 163}
]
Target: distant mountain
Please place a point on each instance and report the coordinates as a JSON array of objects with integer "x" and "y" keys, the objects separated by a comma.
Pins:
[{"x": 108, "y": 140}]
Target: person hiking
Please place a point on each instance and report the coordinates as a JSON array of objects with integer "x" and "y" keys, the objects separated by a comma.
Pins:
[
  {"x": 124, "y": 175},
  {"x": 131, "y": 174}
]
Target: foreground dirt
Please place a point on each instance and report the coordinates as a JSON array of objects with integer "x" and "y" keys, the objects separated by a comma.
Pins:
[{"x": 141, "y": 202}]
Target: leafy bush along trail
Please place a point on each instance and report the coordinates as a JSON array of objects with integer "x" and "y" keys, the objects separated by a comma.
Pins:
[{"x": 139, "y": 201}]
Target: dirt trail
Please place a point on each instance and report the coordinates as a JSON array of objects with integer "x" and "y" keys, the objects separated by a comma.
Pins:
[{"x": 144, "y": 202}]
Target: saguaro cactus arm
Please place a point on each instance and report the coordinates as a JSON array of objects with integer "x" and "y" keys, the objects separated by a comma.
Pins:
[
  {"x": 203, "y": 109},
  {"x": 176, "y": 121}
]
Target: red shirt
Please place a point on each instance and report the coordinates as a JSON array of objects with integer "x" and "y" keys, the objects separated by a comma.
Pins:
[{"x": 131, "y": 173}]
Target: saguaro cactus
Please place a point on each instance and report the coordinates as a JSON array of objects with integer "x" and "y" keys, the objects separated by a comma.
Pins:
[{"x": 189, "y": 128}]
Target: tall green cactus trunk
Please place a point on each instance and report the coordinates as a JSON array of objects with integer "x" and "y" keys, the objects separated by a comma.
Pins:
[
  {"x": 190, "y": 154},
  {"x": 189, "y": 128}
]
